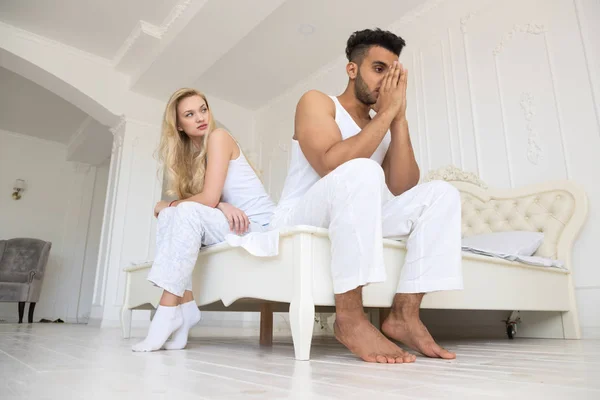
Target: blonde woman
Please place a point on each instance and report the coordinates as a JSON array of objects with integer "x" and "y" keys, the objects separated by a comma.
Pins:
[{"x": 218, "y": 192}]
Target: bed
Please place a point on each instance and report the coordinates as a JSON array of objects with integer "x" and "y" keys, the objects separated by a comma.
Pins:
[{"x": 298, "y": 281}]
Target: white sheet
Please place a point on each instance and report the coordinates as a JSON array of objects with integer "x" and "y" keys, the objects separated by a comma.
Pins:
[
  {"x": 532, "y": 260},
  {"x": 523, "y": 243}
]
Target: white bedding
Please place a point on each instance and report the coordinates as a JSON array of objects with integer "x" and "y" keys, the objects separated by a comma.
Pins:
[{"x": 531, "y": 260}]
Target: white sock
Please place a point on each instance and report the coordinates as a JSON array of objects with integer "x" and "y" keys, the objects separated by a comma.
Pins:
[
  {"x": 191, "y": 316},
  {"x": 166, "y": 321}
]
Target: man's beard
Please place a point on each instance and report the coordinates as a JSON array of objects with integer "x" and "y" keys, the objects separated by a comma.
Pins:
[{"x": 362, "y": 93}]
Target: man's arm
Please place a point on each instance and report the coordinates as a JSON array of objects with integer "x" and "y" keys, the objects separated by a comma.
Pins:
[
  {"x": 399, "y": 165},
  {"x": 320, "y": 138}
]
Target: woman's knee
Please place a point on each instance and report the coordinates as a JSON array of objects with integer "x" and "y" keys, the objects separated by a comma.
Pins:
[
  {"x": 165, "y": 215},
  {"x": 192, "y": 213},
  {"x": 191, "y": 208}
]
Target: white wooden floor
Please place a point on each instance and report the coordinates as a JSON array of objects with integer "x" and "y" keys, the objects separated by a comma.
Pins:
[{"x": 60, "y": 361}]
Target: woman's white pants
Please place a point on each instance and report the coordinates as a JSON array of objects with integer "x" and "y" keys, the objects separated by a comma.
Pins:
[{"x": 180, "y": 233}]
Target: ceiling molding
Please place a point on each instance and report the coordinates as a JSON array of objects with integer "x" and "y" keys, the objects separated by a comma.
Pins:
[
  {"x": 415, "y": 14},
  {"x": 11, "y": 30},
  {"x": 77, "y": 136},
  {"x": 144, "y": 38},
  {"x": 92, "y": 144},
  {"x": 174, "y": 15},
  {"x": 119, "y": 126}
]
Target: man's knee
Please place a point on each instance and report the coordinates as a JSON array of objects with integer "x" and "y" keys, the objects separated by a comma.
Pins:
[
  {"x": 362, "y": 169},
  {"x": 447, "y": 191}
]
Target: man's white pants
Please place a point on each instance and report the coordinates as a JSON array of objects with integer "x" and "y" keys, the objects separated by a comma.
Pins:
[
  {"x": 354, "y": 203},
  {"x": 180, "y": 233}
]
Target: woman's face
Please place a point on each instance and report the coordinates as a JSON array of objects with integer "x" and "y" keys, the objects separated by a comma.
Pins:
[{"x": 193, "y": 116}]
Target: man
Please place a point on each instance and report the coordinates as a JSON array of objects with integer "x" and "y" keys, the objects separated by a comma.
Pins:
[{"x": 357, "y": 176}]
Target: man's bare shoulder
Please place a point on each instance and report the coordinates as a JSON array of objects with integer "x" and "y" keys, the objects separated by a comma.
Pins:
[
  {"x": 315, "y": 100},
  {"x": 315, "y": 117}
]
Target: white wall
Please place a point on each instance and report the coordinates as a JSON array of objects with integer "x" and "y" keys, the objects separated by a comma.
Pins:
[
  {"x": 508, "y": 90},
  {"x": 93, "y": 243},
  {"x": 61, "y": 204},
  {"x": 239, "y": 120}
]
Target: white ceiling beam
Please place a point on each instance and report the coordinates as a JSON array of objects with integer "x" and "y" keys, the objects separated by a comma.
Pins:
[
  {"x": 201, "y": 37},
  {"x": 146, "y": 41}
]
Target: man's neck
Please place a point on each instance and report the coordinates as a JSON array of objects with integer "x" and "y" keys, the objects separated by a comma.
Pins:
[{"x": 354, "y": 106}]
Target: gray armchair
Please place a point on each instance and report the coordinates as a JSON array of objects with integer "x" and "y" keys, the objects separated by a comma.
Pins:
[{"x": 22, "y": 265}]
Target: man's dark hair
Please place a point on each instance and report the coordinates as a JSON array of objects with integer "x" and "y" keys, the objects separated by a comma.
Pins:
[{"x": 360, "y": 41}]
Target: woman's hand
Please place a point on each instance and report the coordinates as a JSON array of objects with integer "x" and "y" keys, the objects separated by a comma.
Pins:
[
  {"x": 161, "y": 205},
  {"x": 238, "y": 220}
]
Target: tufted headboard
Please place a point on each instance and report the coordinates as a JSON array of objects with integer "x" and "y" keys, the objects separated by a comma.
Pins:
[{"x": 558, "y": 209}]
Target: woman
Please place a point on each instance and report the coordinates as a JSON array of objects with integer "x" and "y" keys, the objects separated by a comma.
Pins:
[{"x": 218, "y": 192}]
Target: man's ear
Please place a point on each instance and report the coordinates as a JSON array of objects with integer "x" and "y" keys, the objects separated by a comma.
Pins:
[{"x": 352, "y": 70}]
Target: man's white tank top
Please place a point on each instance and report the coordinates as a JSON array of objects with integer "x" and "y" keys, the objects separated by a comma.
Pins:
[
  {"x": 301, "y": 175},
  {"x": 244, "y": 190}
]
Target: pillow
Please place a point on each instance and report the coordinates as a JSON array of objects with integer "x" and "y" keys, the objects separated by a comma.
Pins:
[{"x": 522, "y": 243}]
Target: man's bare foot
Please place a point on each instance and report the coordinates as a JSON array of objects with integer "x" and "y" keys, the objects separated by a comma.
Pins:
[
  {"x": 363, "y": 339},
  {"x": 415, "y": 335}
]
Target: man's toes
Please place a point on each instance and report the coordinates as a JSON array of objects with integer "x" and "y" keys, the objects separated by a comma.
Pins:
[
  {"x": 443, "y": 353},
  {"x": 398, "y": 359},
  {"x": 391, "y": 358},
  {"x": 408, "y": 358},
  {"x": 381, "y": 359}
]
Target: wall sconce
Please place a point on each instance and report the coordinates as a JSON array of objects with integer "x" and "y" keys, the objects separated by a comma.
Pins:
[{"x": 19, "y": 187}]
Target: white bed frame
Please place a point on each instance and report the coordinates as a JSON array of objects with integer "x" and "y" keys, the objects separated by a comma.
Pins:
[{"x": 298, "y": 279}]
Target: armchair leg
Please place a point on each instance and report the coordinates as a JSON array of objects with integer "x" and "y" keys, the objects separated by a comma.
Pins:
[
  {"x": 21, "y": 311},
  {"x": 30, "y": 316}
]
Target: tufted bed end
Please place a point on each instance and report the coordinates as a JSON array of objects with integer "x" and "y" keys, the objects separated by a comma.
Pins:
[{"x": 558, "y": 209}]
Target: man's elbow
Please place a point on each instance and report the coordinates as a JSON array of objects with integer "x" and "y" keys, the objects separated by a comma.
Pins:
[
  {"x": 322, "y": 168},
  {"x": 398, "y": 189},
  {"x": 323, "y": 172}
]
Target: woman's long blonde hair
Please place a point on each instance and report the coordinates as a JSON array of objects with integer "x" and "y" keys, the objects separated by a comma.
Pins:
[{"x": 184, "y": 164}]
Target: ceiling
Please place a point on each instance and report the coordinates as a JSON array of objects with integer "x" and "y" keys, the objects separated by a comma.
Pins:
[
  {"x": 244, "y": 52},
  {"x": 97, "y": 27},
  {"x": 30, "y": 109},
  {"x": 276, "y": 55}
]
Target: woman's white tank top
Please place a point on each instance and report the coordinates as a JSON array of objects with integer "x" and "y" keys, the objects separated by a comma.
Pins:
[{"x": 244, "y": 190}]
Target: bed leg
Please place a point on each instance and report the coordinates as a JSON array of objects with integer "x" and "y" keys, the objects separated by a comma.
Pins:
[
  {"x": 302, "y": 320},
  {"x": 302, "y": 306},
  {"x": 511, "y": 324},
  {"x": 266, "y": 324},
  {"x": 126, "y": 314},
  {"x": 570, "y": 319},
  {"x": 570, "y": 325}
]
